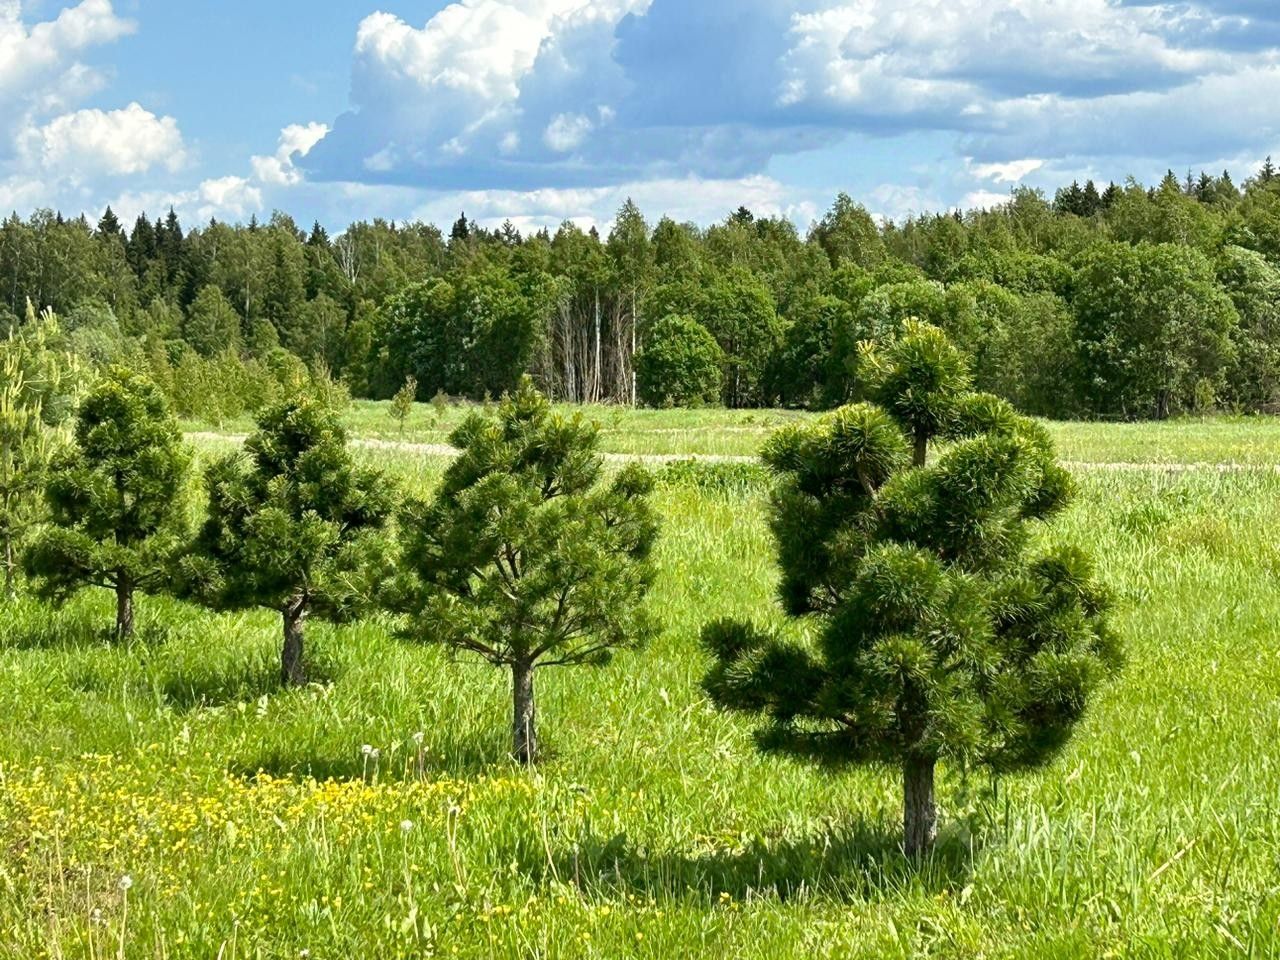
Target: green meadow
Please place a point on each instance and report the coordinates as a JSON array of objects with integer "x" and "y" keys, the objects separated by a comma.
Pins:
[{"x": 166, "y": 799}]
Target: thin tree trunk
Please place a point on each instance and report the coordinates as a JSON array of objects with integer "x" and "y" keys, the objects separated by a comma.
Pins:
[
  {"x": 523, "y": 723},
  {"x": 921, "y": 453},
  {"x": 295, "y": 614},
  {"x": 919, "y": 812},
  {"x": 124, "y": 609},
  {"x": 635, "y": 323},
  {"x": 597, "y": 375}
]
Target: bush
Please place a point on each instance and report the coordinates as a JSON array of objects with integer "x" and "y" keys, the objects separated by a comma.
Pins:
[{"x": 680, "y": 365}]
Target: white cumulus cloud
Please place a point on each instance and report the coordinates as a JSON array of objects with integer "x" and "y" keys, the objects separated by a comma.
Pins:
[
  {"x": 113, "y": 142},
  {"x": 296, "y": 140},
  {"x": 1010, "y": 172},
  {"x": 37, "y": 60}
]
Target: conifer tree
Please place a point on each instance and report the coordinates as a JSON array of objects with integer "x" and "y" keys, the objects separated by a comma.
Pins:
[
  {"x": 944, "y": 631},
  {"x": 117, "y": 497},
  {"x": 526, "y": 556},
  {"x": 402, "y": 402},
  {"x": 37, "y": 384},
  {"x": 293, "y": 525}
]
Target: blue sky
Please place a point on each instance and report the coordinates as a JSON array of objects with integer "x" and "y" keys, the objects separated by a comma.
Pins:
[{"x": 544, "y": 110}]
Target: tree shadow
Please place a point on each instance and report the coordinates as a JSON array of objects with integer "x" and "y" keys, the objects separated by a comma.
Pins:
[
  {"x": 858, "y": 862},
  {"x": 51, "y": 630},
  {"x": 232, "y": 682},
  {"x": 402, "y": 763}
]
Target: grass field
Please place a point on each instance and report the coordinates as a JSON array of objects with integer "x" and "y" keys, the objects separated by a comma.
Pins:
[
  {"x": 251, "y": 822},
  {"x": 720, "y": 432}
]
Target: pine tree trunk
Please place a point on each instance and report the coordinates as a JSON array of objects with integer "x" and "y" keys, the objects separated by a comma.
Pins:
[
  {"x": 523, "y": 725},
  {"x": 295, "y": 614},
  {"x": 919, "y": 812},
  {"x": 124, "y": 609},
  {"x": 921, "y": 453}
]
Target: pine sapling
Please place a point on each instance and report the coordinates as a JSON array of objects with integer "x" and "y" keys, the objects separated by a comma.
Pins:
[
  {"x": 945, "y": 629},
  {"x": 527, "y": 556}
]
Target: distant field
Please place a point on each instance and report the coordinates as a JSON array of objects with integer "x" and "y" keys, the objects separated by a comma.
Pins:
[
  {"x": 251, "y": 823},
  {"x": 719, "y": 432}
]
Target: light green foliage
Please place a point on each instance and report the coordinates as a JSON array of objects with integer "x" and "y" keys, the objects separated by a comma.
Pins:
[
  {"x": 680, "y": 365},
  {"x": 212, "y": 325},
  {"x": 402, "y": 402},
  {"x": 117, "y": 497},
  {"x": 1253, "y": 284},
  {"x": 39, "y": 379},
  {"x": 526, "y": 556},
  {"x": 848, "y": 234}
]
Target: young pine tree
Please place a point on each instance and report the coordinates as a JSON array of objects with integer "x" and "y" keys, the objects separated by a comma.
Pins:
[
  {"x": 402, "y": 402},
  {"x": 294, "y": 526},
  {"x": 944, "y": 628},
  {"x": 526, "y": 556},
  {"x": 117, "y": 497}
]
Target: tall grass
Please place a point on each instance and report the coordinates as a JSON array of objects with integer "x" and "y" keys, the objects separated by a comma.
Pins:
[{"x": 376, "y": 812}]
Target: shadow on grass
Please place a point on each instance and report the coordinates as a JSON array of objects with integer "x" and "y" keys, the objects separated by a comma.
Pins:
[
  {"x": 50, "y": 629},
  {"x": 220, "y": 684},
  {"x": 857, "y": 863},
  {"x": 403, "y": 763}
]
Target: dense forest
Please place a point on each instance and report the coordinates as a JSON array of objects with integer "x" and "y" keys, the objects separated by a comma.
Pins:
[{"x": 1124, "y": 302}]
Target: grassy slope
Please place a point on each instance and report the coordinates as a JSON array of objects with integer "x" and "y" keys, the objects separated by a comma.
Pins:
[{"x": 655, "y": 830}]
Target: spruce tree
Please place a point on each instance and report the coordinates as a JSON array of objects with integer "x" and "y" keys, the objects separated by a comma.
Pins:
[
  {"x": 946, "y": 629},
  {"x": 292, "y": 525},
  {"x": 109, "y": 225},
  {"x": 117, "y": 497},
  {"x": 526, "y": 556}
]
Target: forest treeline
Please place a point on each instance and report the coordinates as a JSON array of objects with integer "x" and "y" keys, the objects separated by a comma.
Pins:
[{"x": 1128, "y": 301}]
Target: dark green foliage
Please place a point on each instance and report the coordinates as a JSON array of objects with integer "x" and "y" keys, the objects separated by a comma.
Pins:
[
  {"x": 944, "y": 629},
  {"x": 681, "y": 365},
  {"x": 471, "y": 313},
  {"x": 527, "y": 556},
  {"x": 292, "y": 525},
  {"x": 117, "y": 498},
  {"x": 469, "y": 335}
]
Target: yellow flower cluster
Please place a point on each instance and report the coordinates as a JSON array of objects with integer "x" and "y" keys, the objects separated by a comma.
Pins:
[{"x": 104, "y": 811}]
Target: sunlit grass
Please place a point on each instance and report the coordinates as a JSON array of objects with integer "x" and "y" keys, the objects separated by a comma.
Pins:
[
  {"x": 741, "y": 433},
  {"x": 254, "y": 822}
]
